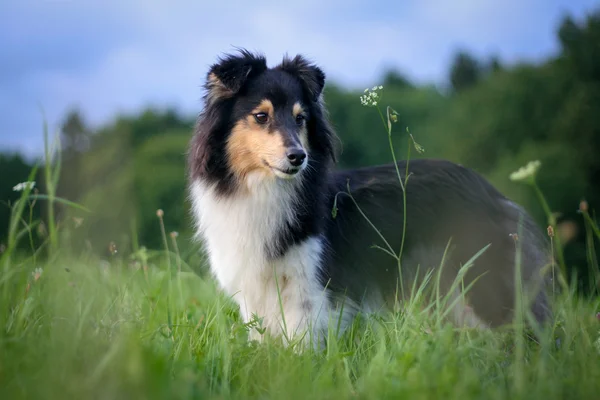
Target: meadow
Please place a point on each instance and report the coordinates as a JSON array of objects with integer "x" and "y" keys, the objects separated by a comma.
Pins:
[
  {"x": 149, "y": 325},
  {"x": 103, "y": 295}
]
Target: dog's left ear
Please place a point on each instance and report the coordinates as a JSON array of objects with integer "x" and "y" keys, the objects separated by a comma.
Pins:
[
  {"x": 227, "y": 77},
  {"x": 312, "y": 77}
]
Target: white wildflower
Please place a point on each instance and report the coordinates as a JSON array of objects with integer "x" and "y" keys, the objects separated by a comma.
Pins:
[
  {"x": 527, "y": 172},
  {"x": 369, "y": 99},
  {"x": 23, "y": 186}
]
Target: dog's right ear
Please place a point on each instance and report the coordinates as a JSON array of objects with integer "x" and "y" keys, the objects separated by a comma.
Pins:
[
  {"x": 228, "y": 76},
  {"x": 311, "y": 76}
]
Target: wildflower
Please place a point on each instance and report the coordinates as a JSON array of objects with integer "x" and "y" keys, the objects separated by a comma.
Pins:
[
  {"x": 174, "y": 234},
  {"x": 420, "y": 149},
  {"x": 369, "y": 99},
  {"x": 23, "y": 186},
  {"x": 37, "y": 273},
  {"x": 550, "y": 231},
  {"x": 160, "y": 213},
  {"x": 526, "y": 173},
  {"x": 583, "y": 206},
  {"x": 112, "y": 248}
]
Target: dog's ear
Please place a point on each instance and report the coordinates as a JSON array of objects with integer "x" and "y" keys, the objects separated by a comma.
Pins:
[
  {"x": 312, "y": 77},
  {"x": 230, "y": 73}
]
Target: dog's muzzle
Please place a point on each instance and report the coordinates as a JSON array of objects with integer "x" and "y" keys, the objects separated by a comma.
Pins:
[{"x": 296, "y": 156}]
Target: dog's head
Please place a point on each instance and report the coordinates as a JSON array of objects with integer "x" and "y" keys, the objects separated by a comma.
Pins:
[{"x": 260, "y": 122}]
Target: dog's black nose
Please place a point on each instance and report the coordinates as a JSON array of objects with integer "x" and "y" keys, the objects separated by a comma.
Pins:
[{"x": 296, "y": 156}]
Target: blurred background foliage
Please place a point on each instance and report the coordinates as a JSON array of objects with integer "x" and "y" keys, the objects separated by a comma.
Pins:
[{"x": 494, "y": 119}]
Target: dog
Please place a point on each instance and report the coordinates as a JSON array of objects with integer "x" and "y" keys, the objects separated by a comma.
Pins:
[{"x": 299, "y": 244}]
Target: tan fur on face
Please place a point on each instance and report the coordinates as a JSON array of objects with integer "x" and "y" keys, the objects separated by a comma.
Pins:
[
  {"x": 297, "y": 109},
  {"x": 251, "y": 145},
  {"x": 265, "y": 106}
]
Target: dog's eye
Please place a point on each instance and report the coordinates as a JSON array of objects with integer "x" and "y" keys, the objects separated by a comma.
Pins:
[
  {"x": 300, "y": 119},
  {"x": 261, "y": 118}
]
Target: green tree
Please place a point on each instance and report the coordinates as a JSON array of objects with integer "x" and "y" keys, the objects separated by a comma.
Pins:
[
  {"x": 396, "y": 80},
  {"x": 465, "y": 71}
]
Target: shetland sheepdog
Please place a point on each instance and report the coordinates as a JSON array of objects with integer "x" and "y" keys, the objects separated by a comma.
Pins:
[{"x": 299, "y": 244}]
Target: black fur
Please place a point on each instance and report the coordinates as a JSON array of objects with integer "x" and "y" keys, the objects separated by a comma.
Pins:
[
  {"x": 232, "y": 72},
  {"x": 445, "y": 201},
  {"x": 312, "y": 77},
  {"x": 447, "y": 205},
  {"x": 248, "y": 81}
]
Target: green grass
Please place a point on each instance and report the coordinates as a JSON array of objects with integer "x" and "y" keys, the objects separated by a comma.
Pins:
[
  {"x": 92, "y": 329},
  {"x": 144, "y": 326}
]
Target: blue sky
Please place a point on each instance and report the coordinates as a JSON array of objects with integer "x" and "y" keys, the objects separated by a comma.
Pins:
[{"x": 108, "y": 57}]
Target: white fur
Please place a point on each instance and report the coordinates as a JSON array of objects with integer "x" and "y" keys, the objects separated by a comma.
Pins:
[
  {"x": 462, "y": 313},
  {"x": 235, "y": 230}
]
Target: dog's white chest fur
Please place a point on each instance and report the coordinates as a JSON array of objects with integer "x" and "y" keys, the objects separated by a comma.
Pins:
[{"x": 235, "y": 231}]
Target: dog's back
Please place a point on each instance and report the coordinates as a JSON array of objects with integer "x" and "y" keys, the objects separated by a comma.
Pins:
[{"x": 452, "y": 213}]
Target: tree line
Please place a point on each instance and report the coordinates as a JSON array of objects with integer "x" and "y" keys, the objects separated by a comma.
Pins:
[{"x": 494, "y": 119}]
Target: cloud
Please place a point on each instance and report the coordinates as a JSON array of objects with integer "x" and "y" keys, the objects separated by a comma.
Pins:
[{"x": 107, "y": 57}]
